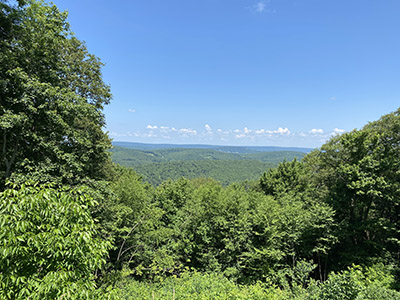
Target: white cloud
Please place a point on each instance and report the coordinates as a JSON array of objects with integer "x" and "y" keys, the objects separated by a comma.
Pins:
[
  {"x": 151, "y": 134},
  {"x": 316, "y": 131},
  {"x": 130, "y": 134},
  {"x": 278, "y": 136},
  {"x": 132, "y": 110},
  {"x": 165, "y": 130},
  {"x": 239, "y": 136},
  {"x": 263, "y": 6},
  {"x": 338, "y": 131},
  {"x": 260, "y": 6},
  {"x": 332, "y": 98},
  {"x": 116, "y": 134},
  {"x": 260, "y": 132},
  {"x": 209, "y": 131},
  {"x": 188, "y": 131},
  {"x": 282, "y": 131}
]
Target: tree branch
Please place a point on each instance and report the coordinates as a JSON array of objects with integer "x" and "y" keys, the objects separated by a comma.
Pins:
[{"x": 123, "y": 243}]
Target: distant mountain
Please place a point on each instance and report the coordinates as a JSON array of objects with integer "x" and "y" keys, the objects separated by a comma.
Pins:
[
  {"x": 227, "y": 164},
  {"x": 132, "y": 157},
  {"x": 228, "y": 149}
]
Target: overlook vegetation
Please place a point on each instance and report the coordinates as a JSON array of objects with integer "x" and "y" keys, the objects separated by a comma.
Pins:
[{"x": 73, "y": 225}]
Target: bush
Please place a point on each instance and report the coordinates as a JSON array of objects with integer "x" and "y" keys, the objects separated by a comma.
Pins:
[
  {"x": 196, "y": 286},
  {"x": 359, "y": 284},
  {"x": 49, "y": 244}
]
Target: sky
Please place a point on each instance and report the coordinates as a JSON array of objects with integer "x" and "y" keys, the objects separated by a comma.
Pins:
[{"x": 242, "y": 72}]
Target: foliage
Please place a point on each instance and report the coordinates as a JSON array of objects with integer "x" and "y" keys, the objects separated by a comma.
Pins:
[
  {"x": 304, "y": 219},
  {"x": 357, "y": 283},
  {"x": 353, "y": 284},
  {"x": 131, "y": 218},
  {"x": 196, "y": 286},
  {"x": 280, "y": 236},
  {"x": 200, "y": 224},
  {"x": 358, "y": 175},
  {"x": 286, "y": 177},
  {"x": 51, "y": 96},
  {"x": 226, "y": 172},
  {"x": 307, "y": 222},
  {"x": 50, "y": 246}
]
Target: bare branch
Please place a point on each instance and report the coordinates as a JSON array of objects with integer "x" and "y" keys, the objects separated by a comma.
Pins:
[{"x": 123, "y": 243}]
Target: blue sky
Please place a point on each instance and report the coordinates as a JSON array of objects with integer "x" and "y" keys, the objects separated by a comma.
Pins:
[{"x": 242, "y": 72}]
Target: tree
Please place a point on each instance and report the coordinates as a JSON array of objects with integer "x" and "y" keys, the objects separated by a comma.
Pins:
[
  {"x": 52, "y": 95},
  {"x": 129, "y": 217},
  {"x": 286, "y": 177},
  {"x": 305, "y": 222},
  {"x": 358, "y": 174},
  {"x": 50, "y": 248}
]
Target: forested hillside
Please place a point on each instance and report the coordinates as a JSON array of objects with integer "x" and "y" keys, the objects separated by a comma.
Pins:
[
  {"x": 224, "y": 171},
  {"x": 74, "y": 225},
  {"x": 158, "y": 165}
]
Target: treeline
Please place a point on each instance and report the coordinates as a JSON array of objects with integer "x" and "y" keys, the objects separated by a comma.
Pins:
[{"x": 75, "y": 226}]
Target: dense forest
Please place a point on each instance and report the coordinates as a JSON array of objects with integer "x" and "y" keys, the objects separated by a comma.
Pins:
[
  {"x": 74, "y": 225},
  {"x": 158, "y": 165}
]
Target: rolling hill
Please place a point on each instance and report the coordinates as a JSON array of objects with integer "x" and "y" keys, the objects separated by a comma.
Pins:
[{"x": 157, "y": 162}]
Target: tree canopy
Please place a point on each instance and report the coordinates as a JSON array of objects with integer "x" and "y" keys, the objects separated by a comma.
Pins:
[
  {"x": 358, "y": 175},
  {"x": 52, "y": 95}
]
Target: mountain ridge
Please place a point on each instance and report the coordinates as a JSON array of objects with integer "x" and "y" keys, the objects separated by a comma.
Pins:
[{"x": 222, "y": 148}]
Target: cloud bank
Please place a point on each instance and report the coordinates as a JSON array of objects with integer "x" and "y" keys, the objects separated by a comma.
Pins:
[{"x": 245, "y": 135}]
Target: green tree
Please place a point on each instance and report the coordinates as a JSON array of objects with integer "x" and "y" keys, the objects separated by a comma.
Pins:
[
  {"x": 215, "y": 225},
  {"x": 357, "y": 173},
  {"x": 305, "y": 224},
  {"x": 286, "y": 177},
  {"x": 130, "y": 217},
  {"x": 50, "y": 247},
  {"x": 52, "y": 95}
]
